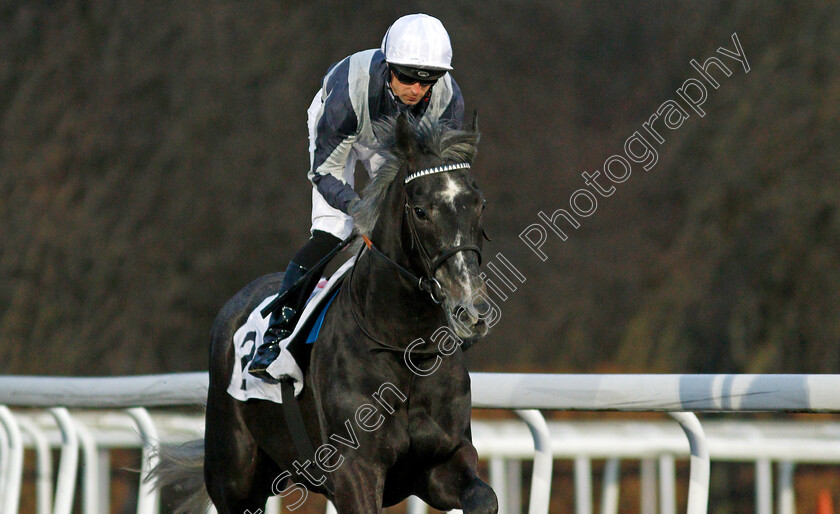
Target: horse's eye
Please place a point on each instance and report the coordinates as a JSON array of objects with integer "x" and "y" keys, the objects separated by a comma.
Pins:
[{"x": 420, "y": 213}]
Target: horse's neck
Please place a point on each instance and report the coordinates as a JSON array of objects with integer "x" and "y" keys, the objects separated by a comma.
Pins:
[{"x": 389, "y": 303}]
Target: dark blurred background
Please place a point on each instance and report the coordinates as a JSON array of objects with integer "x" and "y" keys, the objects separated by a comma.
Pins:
[{"x": 153, "y": 161}]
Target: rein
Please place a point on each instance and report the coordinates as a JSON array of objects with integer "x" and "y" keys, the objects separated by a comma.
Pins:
[
  {"x": 383, "y": 346},
  {"x": 430, "y": 285},
  {"x": 427, "y": 282}
]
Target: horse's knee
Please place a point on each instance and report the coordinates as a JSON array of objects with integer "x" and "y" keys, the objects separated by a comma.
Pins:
[{"x": 479, "y": 498}]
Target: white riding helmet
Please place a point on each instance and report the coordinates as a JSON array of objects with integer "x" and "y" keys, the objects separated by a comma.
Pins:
[{"x": 418, "y": 41}]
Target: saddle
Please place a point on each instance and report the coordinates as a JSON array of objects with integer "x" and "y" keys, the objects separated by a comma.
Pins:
[
  {"x": 293, "y": 361},
  {"x": 301, "y": 340}
]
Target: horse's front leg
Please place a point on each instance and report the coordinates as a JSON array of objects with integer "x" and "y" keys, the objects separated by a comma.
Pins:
[
  {"x": 359, "y": 486},
  {"x": 456, "y": 485}
]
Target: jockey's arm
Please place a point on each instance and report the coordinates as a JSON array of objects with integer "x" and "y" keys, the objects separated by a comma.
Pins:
[
  {"x": 453, "y": 115},
  {"x": 330, "y": 182},
  {"x": 335, "y": 135}
]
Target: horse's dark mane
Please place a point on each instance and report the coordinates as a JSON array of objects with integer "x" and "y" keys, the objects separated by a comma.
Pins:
[{"x": 437, "y": 139}]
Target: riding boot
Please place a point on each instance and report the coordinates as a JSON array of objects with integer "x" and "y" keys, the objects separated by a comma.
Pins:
[{"x": 280, "y": 325}]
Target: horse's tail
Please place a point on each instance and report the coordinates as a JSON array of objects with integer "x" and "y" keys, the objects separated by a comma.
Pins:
[{"x": 182, "y": 467}]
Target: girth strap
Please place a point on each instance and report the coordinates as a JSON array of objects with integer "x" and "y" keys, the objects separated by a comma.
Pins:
[{"x": 297, "y": 428}]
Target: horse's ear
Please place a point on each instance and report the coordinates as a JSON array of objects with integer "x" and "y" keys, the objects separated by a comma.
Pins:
[
  {"x": 405, "y": 138},
  {"x": 475, "y": 121}
]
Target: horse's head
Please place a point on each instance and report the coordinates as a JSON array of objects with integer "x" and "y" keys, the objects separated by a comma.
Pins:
[{"x": 438, "y": 206}]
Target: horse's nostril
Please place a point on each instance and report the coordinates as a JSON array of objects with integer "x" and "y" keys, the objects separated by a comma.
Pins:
[
  {"x": 459, "y": 314},
  {"x": 465, "y": 317}
]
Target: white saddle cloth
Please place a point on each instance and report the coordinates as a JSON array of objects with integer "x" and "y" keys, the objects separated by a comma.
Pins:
[{"x": 244, "y": 386}]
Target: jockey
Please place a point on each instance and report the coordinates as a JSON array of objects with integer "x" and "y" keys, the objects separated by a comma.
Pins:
[{"x": 409, "y": 72}]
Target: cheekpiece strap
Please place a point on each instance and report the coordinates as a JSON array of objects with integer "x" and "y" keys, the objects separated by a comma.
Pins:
[{"x": 439, "y": 169}]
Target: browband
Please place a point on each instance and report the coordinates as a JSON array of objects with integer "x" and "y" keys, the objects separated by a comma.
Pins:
[{"x": 439, "y": 169}]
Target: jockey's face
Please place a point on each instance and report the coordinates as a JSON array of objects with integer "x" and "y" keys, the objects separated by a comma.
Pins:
[{"x": 409, "y": 94}]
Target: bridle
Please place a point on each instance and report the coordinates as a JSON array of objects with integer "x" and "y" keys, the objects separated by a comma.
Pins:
[{"x": 427, "y": 282}]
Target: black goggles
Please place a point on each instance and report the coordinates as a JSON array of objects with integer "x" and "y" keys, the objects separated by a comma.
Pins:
[{"x": 409, "y": 80}]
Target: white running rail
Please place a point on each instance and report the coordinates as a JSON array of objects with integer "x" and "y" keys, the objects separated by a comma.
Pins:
[{"x": 679, "y": 395}]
